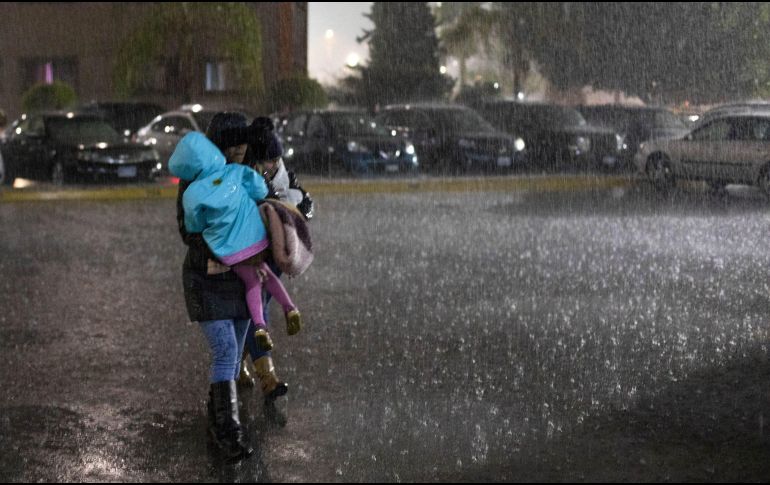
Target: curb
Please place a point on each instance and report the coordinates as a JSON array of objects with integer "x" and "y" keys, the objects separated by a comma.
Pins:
[{"x": 344, "y": 187}]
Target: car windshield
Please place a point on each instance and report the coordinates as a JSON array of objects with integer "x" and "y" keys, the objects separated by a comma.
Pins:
[
  {"x": 460, "y": 121},
  {"x": 203, "y": 118},
  {"x": 82, "y": 131},
  {"x": 355, "y": 124},
  {"x": 665, "y": 119}
]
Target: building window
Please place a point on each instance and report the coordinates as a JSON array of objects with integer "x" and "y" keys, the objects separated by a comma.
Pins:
[
  {"x": 46, "y": 71},
  {"x": 217, "y": 75}
]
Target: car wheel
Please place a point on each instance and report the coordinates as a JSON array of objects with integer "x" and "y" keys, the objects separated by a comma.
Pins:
[
  {"x": 764, "y": 180},
  {"x": 659, "y": 173},
  {"x": 57, "y": 173}
]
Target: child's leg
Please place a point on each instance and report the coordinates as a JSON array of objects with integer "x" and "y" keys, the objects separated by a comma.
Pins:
[
  {"x": 274, "y": 286},
  {"x": 248, "y": 274}
]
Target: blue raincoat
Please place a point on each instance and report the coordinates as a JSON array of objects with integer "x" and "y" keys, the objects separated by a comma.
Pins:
[{"x": 221, "y": 201}]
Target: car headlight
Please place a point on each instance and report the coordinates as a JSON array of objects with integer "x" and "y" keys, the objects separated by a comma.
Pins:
[
  {"x": 87, "y": 156},
  {"x": 409, "y": 149},
  {"x": 519, "y": 145},
  {"x": 289, "y": 153},
  {"x": 464, "y": 143},
  {"x": 583, "y": 144},
  {"x": 620, "y": 139},
  {"x": 355, "y": 147}
]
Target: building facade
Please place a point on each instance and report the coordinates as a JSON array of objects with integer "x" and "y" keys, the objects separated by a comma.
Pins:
[{"x": 77, "y": 42}]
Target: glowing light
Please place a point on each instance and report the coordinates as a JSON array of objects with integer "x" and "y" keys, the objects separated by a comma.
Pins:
[
  {"x": 196, "y": 108},
  {"x": 497, "y": 85},
  {"x": 70, "y": 115},
  {"x": 101, "y": 145},
  {"x": 442, "y": 69},
  {"x": 520, "y": 96},
  {"x": 352, "y": 59}
]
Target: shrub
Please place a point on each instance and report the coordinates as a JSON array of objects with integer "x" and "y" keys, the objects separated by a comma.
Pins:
[
  {"x": 41, "y": 97},
  {"x": 296, "y": 93}
]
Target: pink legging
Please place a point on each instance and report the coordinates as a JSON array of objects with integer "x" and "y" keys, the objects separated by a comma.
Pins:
[{"x": 248, "y": 274}]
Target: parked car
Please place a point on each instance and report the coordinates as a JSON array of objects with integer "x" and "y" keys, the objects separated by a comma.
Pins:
[
  {"x": 125, "y": 117},
  {"x": 165, "y": 130},
  {"x": 732, "y": 149},
  {"x": 733, "y": 108},
  {"x": 65, "y": 146},
  {"x": 452, "y": 138},
  {"x": 2, "y": 169},
  {"x": 636, "y": 124},
  {"x": 556, "y": 136},
  {"x": 350, "y": 141}
]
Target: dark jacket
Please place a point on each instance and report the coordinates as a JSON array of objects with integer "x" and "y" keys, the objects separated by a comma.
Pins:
[{"x": 208, "y": 297}]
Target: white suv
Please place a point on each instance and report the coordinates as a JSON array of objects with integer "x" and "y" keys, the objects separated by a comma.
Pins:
[{"x": 730, "y": 149}]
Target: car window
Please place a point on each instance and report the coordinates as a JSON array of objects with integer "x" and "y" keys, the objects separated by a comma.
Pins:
[
  {"x": 355, "y": 124},
  {"x": 751, "y": 129},
  {"x": 718, "y": 130},
  {"x": 316, "y": 128},
  {"x": 82, "y": 131},
  {"x": 460, "y": 121},
  {"x": 296, "y": 126},
  {"x": 412, "y": 120},
  {"x": 666, "y": 119},
  {"x": 36, "y": 126},
  {"x": 172, "y": 124}
]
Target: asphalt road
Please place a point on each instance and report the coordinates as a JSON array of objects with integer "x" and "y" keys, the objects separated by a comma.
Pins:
[{"x": 600, "y": 334}]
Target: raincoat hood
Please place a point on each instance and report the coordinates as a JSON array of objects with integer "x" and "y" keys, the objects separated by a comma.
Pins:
[{"x": 195, "y": 157}]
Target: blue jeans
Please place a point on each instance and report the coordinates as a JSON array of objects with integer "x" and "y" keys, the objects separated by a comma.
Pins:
[{"x": 225, "y": 339}]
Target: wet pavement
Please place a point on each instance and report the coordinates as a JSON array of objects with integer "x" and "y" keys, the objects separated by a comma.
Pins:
[{"x": 593, "y": 335}]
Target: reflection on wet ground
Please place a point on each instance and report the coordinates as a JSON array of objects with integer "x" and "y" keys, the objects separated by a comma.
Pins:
[{"x": 589, "y": 335}]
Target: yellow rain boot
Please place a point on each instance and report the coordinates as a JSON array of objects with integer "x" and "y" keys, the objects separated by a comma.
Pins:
[
  {"x": 293, "y": 322},
  {"x": 271, "y": 386},
  {"x": 264, "y": 341},
  {"x": 245, "y": 379}
]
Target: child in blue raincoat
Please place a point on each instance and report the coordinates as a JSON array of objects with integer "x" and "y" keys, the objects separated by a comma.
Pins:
[{"x": 221, "y": 203}]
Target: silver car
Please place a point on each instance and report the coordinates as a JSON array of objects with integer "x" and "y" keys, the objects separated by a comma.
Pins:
[
  {"x": 165, "y": 130},
  {"x": 732, "y": 149}
]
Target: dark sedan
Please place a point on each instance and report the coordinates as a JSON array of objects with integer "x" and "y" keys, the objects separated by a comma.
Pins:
[
  {"x": 125, "y": 117},
  {"x": 65, "y": 146},
  {"x": 350, "y": 142},
  {"x": 454, "y": 138},
  {"x": 556, "y": 136}
]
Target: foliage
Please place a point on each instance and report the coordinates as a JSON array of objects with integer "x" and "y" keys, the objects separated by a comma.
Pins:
[
  {"x": 705, "y": 51},
  {"x": 465, "y": 31},
  {"x": 404, "y": 57},
  {"x": 55, "y": 96},
  {"x": 295, "y": 93},
  {"x": 177, "y": 35},
  {"x": 474, "y": 96}
]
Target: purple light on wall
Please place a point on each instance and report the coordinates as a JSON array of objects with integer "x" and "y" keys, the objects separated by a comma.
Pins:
[{"x": 48, "y": 73}]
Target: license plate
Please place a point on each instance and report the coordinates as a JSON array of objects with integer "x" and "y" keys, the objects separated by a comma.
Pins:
[
  {"x": 127, "y": 171},
  {"x": 504, "y": 161},
  {"x": 391, "y": 168},
  {"x": 610, "y": 160}
]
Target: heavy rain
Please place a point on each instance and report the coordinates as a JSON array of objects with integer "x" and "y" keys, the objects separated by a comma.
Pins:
[{"x": 525, "y": 241}]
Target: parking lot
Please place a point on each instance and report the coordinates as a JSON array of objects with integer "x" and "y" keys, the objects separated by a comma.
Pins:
[{"x": 493, "y": 329}]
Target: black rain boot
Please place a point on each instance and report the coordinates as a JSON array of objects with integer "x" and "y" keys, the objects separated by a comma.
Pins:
[{"x": 228, "y": 434}]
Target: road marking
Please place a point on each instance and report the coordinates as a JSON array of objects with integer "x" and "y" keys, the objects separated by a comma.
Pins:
[{"x": 347, "y": 187}]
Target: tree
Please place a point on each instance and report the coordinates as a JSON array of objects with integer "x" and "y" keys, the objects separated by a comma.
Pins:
[
  {"x": 40, "y": 97},
  {"x": 466, "y": 28},
  {"x": 177, "y": 35},
  {"x": 296, "y": 93},
  {"x": 404, "y": 56}
]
